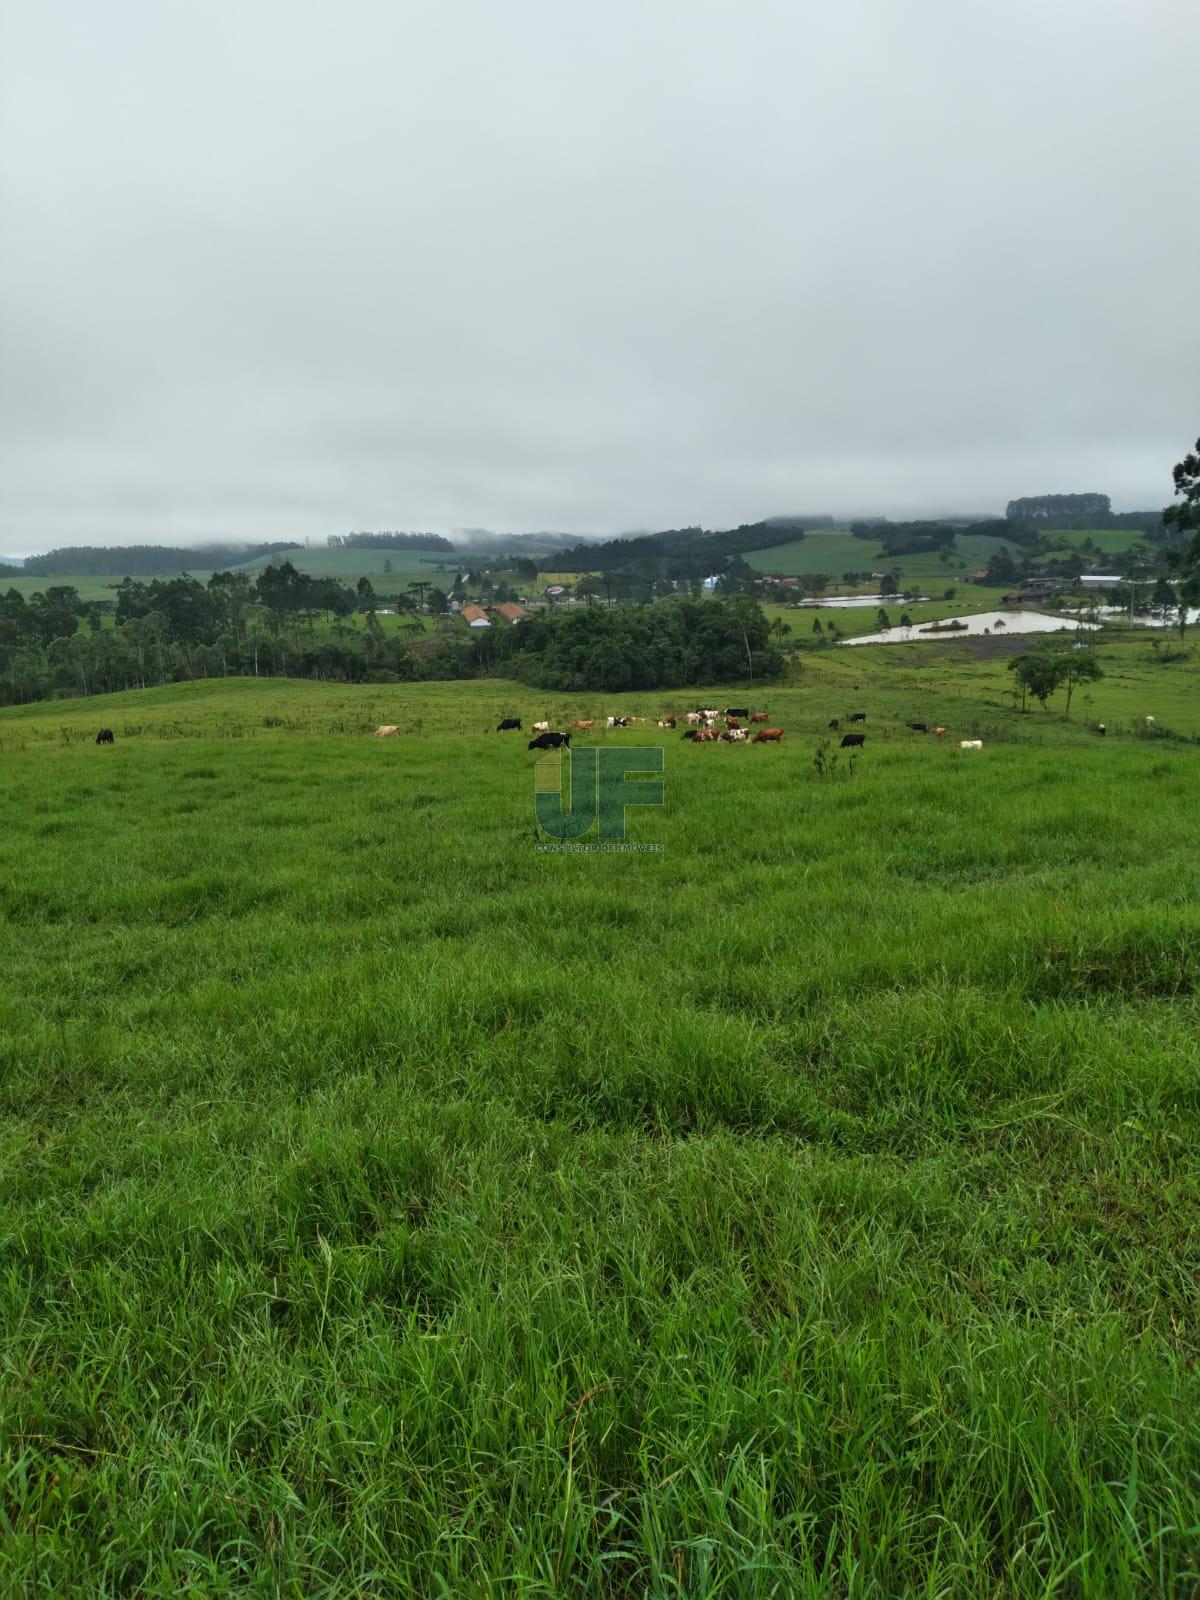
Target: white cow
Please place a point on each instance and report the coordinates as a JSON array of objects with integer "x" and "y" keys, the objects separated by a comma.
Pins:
[
  {"x": 1149, "y": 722},
  {"x": 693, "y": 719},
  {"x": 386, "y": 730},
  {"x": 541, "y": 727},
  {"x": 970, "y": 744}
]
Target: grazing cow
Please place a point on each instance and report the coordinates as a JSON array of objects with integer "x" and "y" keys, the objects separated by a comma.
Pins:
[
  {"x": 759, "y": 716},
  {"x": 938, "y": 731},
  {"x": 585, "y": 725},
  {"x": 693, "y": 734},
  {"x": 509, "y": 723},
  {"x": 550, "y": 741},
  {"x": 666, "y": 722},
  {"x": 541, "y": 727},
  {"x": 706, "y": 736},
  {"x": 858, "y": 716},
  {"x": 851, "y": 741},
  {"x": 105, "y": 736},
  {"x": 737, "y": 711},
  {"x": 735, "y": 736},
  {"x": 833, "y": 723},
  {"x": 1101, "y": 729},
  {"x": 693, "y": 719},
  {"x": 386, "y": 730},
  {"x": 616, "y": 722},
  {"x": 768, "y": 736},
  {"x": 918, "y": 727},
  {"x": 732, "y": 722},
  {"x": 970, "y": 744},
  {"x": 1149, "y": 722}
]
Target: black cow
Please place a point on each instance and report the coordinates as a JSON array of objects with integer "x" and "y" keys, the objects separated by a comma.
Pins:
[
  {"x": 737, "y": 711},
  {"x": 105, "y": 736},
  {"x": 859, "y": 716},
  {"x": 692, "y": 733},
  {"x": 918, "y": 727},
  {"x": 550, "y": 741},
  {"x": 850, "y": 740},
  {"x": 509, "y": 722},
  {"x": 833, "y": 723}
]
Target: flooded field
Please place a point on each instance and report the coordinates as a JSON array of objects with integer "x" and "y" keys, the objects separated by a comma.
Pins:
[{"x": 980, "y": 623}]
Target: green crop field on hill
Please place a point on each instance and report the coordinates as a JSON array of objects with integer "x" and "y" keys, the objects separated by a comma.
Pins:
[
  {"x": 833, "y": 553},
  {"x": 808, "y": 1206}
]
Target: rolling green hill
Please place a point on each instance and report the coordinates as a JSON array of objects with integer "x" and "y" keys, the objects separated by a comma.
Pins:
[
  {"x": 805, "y": 1207},
  {"x": 833, "y": 553}
]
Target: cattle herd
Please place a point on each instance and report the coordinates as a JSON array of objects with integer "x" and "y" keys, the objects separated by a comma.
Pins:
[
  {"x": 705, "y": 725},
  {"x": 708, "y": 725}
]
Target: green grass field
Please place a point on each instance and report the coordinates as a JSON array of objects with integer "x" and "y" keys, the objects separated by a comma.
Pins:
[
  {"x": 346, "y": 565},
  {"x": 835, "y": 552},
  {"x": 349, "y": 566},
  {"x": 89, "y": 585},
  {"x": 809, "y": 1208}
]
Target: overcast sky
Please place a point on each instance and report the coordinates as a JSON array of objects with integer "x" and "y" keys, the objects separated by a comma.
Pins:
[{"x": 276, "y": 268}]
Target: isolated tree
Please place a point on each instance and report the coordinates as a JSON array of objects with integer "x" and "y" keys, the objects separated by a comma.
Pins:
[
  {"x": 1038, "y": 673},
  {"x": 1185, "y": 518},
  {"x": 905, "y": 620},
  {"x": 1076, "y": 668},
  {"x": 1186, "y": 515},
  {"x": 1162, "y": 601},
  {"x": 888, "y": 584},
  {"x": 882, "y": 620},
  {"x": 816, "y": 627}
]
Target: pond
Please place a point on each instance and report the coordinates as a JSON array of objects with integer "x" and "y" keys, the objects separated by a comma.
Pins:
[{"x": 982, "y": 622}]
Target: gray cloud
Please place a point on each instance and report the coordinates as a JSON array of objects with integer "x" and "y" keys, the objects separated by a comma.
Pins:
[{"x": 286, "y": 269}]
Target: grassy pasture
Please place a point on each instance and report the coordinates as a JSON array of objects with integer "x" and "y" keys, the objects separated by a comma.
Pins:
[
  {"x": 348, "y": 566},
  {"x": 833, "y": 552},
  {"x": 807, "y": 1209},
  {"x": 91, "y": 586}
]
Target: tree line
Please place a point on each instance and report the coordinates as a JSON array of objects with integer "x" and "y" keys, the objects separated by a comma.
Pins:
[
  {"x": 668, "y": 644},
  {"x": 279, "y": 623},
  {"x": 288, "y": 623}
]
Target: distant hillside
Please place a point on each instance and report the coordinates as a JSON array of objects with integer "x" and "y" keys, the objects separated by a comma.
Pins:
[
  {"x": 120, "y": 560},
  {"x": 389, "y": 541},
  {"x": 681, "y": 553}
]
